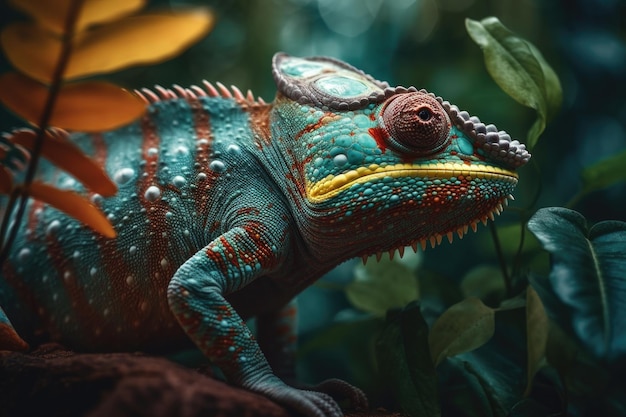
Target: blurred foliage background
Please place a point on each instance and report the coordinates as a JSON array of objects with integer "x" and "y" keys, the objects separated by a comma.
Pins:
[{"x": 424, "y": 43}]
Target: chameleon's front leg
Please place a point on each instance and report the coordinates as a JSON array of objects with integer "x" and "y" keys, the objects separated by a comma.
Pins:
[
  {"x": 196, "y": 297},
  {"x": 277, "y": 334}
]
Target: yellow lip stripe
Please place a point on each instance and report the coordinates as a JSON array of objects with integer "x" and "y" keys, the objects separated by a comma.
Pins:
[{"x": 334, "y": 184}]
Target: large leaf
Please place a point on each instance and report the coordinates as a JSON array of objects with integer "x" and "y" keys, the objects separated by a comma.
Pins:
[
  {"x": 588, "y": 276},
  {"x": 31, "y": 49},
  {"x": 381, "y": 286},
  {"x": 134, "y": 40},
  {"x": 52, "y": 14},
  {"x": 463, "y": 327},
  {"x": 519, "y": 69},
  {"x": 58, "y": 149},
  {"x": 87, "y": 106},
  {"x": 74, "y": 205},
  {"x": 404, "y": 362}
]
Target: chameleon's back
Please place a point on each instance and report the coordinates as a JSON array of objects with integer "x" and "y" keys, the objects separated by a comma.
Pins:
[{"x": 174, "y": 170}]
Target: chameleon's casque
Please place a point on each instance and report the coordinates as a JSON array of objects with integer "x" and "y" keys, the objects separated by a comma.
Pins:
[{"x": 229, "y": 206}]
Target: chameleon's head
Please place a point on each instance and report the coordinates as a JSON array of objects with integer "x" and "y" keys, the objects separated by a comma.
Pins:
[{"x": 388, "y": 167}]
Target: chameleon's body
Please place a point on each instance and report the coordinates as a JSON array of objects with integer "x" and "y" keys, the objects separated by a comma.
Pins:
[{"x": 228, "y": 207}]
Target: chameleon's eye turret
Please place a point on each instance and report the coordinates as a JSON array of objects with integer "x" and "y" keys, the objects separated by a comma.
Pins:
[{"x": 416, "y": 123}]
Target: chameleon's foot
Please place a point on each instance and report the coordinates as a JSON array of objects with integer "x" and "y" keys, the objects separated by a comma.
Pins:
[
  {"x": 309, "y": 403},
  {"x": 341, "y": 390}
]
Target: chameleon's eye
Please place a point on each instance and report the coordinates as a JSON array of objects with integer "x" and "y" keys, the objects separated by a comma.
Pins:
[{"x": 416, "y": 123}]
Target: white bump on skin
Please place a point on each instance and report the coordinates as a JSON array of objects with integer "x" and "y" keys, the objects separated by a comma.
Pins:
[
  {"x": 23, "y": 254},
  {"x": 152, "y": 193},
  {"x": 217, "y": 166},
  {"x": 178, "y": 181},
  {"x": 122, "y": 176},
  {"x": 181, "y": 150},
  {"x": 53, "y": 227}
]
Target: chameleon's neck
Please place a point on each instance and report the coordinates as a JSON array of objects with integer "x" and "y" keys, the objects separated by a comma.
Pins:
[{"x": 323, "y": 227}]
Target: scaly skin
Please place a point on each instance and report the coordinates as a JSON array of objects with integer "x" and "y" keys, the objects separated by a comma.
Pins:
[{"x": 228, "y": 207}]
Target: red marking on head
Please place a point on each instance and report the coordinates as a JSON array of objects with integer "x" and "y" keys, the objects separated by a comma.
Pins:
[
  {"x": 323, "y": 120},
  {"x": 380, "y": 136}
]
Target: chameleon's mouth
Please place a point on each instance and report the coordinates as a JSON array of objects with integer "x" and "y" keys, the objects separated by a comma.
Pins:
[{"x": 333, "y": 185}]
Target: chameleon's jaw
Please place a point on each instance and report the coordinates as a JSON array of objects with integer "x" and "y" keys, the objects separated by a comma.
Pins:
[
  {"x": 333, "y": 185},
  {"x": 437, "y": 238}
]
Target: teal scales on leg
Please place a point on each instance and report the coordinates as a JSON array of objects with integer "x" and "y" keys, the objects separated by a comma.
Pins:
[{"x": 228, "y": 207}]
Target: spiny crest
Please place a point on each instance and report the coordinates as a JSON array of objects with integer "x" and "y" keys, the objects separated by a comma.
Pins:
[
  {"x": 497, "y": 144},
  {"x": 194, "y": 92}
]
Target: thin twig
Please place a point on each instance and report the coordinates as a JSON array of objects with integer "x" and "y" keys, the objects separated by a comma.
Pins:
[
  {"x": 503, "y": 266},
  {"x": 53, "y": 92}
]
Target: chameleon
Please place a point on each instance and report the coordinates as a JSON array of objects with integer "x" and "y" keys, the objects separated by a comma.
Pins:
[{"x": 228, "y": 207}]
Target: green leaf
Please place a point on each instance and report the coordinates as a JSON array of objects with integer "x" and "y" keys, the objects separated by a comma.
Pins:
[
  {"x": 604, "y": 173},
  {"x": 489, "y": 381},
  {"x": 463, "y": 327},
  {"x": 588, "y": 277},
  {"x": 537, "y": 328},
  {"x": 519, "y": 69},
  {"x": 381, "y": 286},
  {"x": 404, "y": 361}
]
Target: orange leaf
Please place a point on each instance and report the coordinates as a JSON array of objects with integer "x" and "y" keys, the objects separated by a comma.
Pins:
[
  {"x": 52, "y": 14},
  {"x": 136, "y": 40},
  {"x": 58, "y": 149},
  {"x": 74, "y": 205},
  {"x": 6, "y": 181},
  {"x": 131, "y": 41},
  {"x": 89, "y": 106},
  {"x": 31, "y": 49}
]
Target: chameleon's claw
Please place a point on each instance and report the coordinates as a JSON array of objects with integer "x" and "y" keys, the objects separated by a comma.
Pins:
[
  {"x": 340, "y": 389},
  {"x": 308, "y": 403}
]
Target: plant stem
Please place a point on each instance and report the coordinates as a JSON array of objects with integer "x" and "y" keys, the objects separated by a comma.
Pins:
[
  {"x": 505, "y": 272},
  {"x": 46, "y": 114}
]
